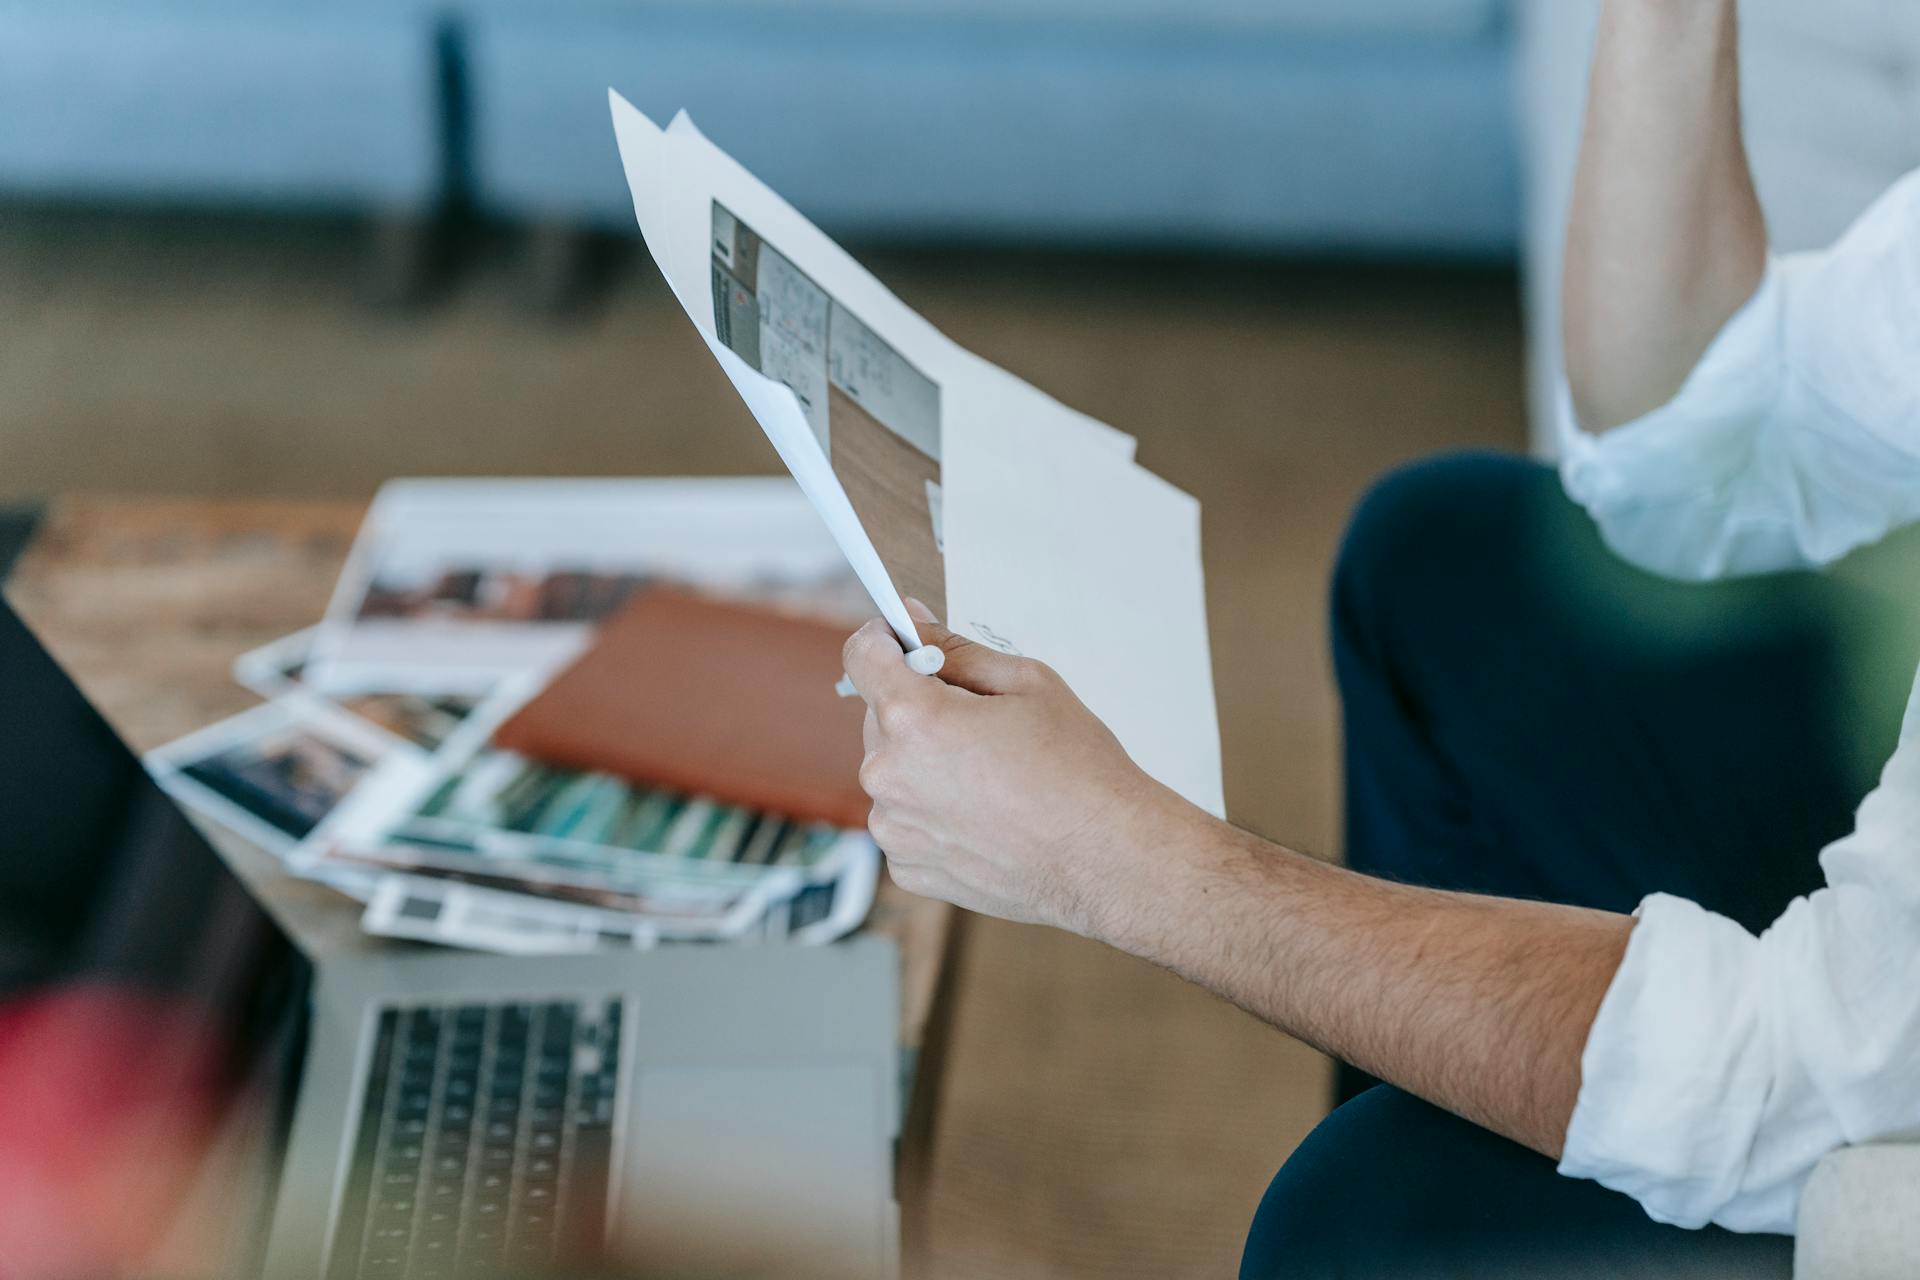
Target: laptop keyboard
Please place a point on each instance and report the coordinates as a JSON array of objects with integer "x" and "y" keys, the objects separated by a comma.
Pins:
[{"x": 484, "y": 1142}]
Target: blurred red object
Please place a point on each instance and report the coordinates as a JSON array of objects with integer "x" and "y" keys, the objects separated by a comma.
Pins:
[{"x": 107, "y": 1097}]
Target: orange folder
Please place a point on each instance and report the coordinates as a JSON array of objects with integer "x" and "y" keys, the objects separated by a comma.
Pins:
[{"x": 705, "y": 696}]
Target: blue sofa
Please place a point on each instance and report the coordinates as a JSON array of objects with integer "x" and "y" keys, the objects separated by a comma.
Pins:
[
  {"x": 1373, "y": 125},
  {"x": 266, "y": 103}
]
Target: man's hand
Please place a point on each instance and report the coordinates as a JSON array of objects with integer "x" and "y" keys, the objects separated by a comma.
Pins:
[{"x": 994, "y": 787}]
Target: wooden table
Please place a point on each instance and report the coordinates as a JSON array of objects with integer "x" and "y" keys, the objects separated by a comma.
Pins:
[{"x": 148, "y": 601}]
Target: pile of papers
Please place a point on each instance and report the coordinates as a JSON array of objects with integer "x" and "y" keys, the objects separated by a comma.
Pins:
[
  {"x": 1024, "y": 524},
  {"x": 370, "y": 767}
]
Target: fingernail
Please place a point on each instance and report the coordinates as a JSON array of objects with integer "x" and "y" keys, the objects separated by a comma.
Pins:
[{"x": 919, "y": 611}]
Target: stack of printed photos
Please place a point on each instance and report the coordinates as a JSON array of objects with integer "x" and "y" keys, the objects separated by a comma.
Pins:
[{"x": 370, "y": 766}]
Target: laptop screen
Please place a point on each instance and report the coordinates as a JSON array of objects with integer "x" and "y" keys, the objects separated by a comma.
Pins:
[{"x": 151, "y": 1013}]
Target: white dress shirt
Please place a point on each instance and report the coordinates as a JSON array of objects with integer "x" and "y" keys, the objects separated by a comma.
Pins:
[{"x": 1722, "y": 1067}]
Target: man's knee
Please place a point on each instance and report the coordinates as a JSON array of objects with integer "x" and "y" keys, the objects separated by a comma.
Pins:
[
  {"x": 1311, "y": 1206},
  {"x": 1348, "y": 1201},
  {"x": 1434, "y": 528},
  {"x": 1389, "y": 1186}
]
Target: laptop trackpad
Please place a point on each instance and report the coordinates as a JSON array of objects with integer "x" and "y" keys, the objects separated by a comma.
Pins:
[{"x": 743, "y": 1172}]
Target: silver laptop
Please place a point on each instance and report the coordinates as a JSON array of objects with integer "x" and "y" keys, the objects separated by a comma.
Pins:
[{"x": 240, "y": 1104}]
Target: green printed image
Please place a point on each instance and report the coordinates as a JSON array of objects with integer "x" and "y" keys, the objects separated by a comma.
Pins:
[{"x": 503, "y": 806}]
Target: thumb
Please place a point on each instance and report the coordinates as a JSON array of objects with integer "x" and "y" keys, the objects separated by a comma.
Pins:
[{"x": 970, "y": 665}]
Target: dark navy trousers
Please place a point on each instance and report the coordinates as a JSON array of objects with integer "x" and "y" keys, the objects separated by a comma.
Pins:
[{"x": 1527, "y": 715}]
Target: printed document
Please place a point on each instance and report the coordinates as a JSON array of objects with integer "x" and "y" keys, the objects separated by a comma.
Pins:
[{"x": 1024, "y": 524}]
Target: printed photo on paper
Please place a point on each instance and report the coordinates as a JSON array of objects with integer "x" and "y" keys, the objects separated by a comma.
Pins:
[
  {"x": 271, "y": 774},
  {"x": 875, "y": 415}
]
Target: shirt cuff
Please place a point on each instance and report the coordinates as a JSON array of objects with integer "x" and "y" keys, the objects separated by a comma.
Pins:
[
  {"x": 1696, "y": 442},
  {"x": 1676, "y": 1070}
]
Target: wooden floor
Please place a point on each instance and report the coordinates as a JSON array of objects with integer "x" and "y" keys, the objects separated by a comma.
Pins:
[{"x": 1103, "y": 1119}]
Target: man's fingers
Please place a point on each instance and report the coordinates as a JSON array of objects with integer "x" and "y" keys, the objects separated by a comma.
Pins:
[
  {"x": 970, "y": 665},
  {"x": 878, "y": 667}
]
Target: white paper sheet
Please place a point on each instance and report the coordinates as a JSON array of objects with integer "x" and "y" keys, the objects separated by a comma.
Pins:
[
  {"x": 425, "y": 909},
  {"x": 436, "y": 595},
  {"x": 1029, "y": 522},
  {"x": 678, "y": 179}
]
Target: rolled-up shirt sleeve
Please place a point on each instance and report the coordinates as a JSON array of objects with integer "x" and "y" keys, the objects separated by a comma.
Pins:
[
  {"x": 1796, "y": 438},
  {"x": 1722, "y": 1067}
]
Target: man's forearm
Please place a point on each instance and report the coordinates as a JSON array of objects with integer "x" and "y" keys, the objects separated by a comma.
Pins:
[
  {"x": 995, "y": 788},
  {"x": 1666, "y": 239},
  {"x": 1479, "y": 1005}
]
